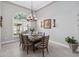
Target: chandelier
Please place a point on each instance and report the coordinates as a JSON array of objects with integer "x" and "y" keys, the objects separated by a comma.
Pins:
[{"x": 31, "y": 17}]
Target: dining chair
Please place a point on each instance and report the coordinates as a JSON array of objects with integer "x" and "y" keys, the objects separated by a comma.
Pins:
[
  {"x": 25, "y": 32},
  {"x": 20, "y": 39},
  {"x": 41, "y": 33},
  {"x": 26, "y": 43},
  {"x": 43, "y": 44}
]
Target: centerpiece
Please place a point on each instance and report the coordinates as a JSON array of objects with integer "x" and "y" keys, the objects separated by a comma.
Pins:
[{"x": 32, "y": 30}]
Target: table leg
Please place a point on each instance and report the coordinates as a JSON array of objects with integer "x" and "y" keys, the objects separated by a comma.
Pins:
[{"x": 33, "y": 48}]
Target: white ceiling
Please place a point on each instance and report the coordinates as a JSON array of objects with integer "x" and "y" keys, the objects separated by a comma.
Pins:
[{"x": 36, "y": 4}]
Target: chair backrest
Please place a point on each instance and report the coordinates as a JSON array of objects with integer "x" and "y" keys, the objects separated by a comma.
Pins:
[
  {"x": 25, "y": 32},
  {"x": 21, "y": 37},
  {"x": 45, "y": 40},
  {"x": 41, "y": 33},
  {"x": 25, "y": 39}
]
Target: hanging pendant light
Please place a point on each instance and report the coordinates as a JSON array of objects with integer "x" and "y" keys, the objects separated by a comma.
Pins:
[{"x": 31, "y": 17}]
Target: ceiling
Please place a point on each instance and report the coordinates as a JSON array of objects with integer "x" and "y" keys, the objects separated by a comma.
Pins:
[{"x": 36, "y": 4}]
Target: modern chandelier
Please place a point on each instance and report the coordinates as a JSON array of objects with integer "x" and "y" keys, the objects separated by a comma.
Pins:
[{"x": 31, "y": 17}]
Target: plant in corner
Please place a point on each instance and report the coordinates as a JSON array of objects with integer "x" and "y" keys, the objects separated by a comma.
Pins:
[{"x": 72, "y": 43}]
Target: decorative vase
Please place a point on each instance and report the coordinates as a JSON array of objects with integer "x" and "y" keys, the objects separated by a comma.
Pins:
[{"x": 31, "y": 33}]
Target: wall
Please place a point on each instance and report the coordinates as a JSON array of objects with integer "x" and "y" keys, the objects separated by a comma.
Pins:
[
  {"x": 66, "y": 15},
  {"x": 0, "y": 27},
  {"x": 8, "y": 12}
]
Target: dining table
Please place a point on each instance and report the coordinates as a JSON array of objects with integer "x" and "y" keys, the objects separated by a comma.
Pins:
[{"x": 34, "y": 39}]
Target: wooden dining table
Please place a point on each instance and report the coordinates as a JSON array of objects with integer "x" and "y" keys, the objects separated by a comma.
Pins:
[{"x": 34, "y": 39}]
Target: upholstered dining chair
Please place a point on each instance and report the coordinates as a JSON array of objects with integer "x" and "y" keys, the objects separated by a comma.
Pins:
[{"x": 43, "y": 44}]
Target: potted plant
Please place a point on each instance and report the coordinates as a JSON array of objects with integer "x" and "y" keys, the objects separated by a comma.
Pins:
[
  {"x": 32, "y": 30},
  {"x": 72, "y": 43}
]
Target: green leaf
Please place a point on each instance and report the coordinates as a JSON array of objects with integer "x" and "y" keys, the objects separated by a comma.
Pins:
[{"x": 71, "y": 40}]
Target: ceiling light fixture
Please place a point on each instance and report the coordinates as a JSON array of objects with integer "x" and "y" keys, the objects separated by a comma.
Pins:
[{"x": 31, "y": 17}]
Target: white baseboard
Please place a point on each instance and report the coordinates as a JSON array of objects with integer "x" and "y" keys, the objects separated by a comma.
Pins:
[
  {"x": 50, "y": 41},
  {"x": 59, "y": 44},
  {"x": 9, "y": 41}
]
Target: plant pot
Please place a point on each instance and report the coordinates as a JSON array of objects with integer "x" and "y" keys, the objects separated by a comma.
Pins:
[{"x": 73, "y": 47}]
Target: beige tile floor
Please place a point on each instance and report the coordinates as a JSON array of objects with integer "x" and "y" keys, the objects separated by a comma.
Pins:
[{"x": 14, "y": 50}]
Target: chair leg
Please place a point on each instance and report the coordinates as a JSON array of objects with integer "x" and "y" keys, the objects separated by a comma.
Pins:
[
  {"x": 43, "y": 52},
  {"x": 47, "y": 49},
  {"x": 33, "y": 48},
  {"x": 23, "y": 46},
  {"x": 27, "y": 49},
  {"x": 20, "y": 44}
]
